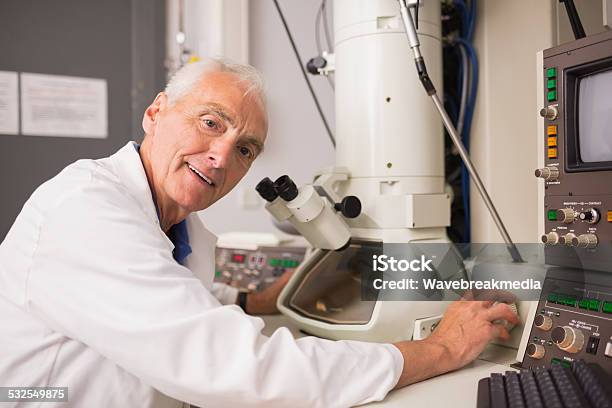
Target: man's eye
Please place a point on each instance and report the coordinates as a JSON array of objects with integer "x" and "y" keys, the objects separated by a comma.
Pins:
[
  {"x": 210, "y": 123},
  {"x": 245, "y": 151}
]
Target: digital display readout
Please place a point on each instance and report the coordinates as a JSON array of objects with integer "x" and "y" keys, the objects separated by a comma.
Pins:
[{"x": 238, "y": 258}]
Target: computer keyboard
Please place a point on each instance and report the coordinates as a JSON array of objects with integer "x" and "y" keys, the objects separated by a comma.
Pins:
[{"x": 578, "y": 386}]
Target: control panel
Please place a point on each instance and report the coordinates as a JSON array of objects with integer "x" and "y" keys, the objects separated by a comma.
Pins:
[
  {"x": 254, "y": 269},
  {"x": 573, "y": 321},
  {"x": 577, "y": 167}
]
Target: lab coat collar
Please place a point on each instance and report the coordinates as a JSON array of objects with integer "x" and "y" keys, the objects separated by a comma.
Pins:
[{"x": 128, "y": 166}]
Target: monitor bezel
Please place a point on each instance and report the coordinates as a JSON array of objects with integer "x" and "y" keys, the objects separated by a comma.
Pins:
[{"x": 572, "y": 78}]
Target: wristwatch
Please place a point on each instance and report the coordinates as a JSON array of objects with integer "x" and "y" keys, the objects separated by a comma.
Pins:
[{"x": 242, "y": 300}]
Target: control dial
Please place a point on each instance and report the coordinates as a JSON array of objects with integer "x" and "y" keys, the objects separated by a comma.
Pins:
[
  {"x": 585, "y": 241},
  {"x": 566, "y": 215},
  {"x": 552, "y": 238},
  {"x": 591, "y": 216},
  {"x": 543, "y": 322},
  {"x": 567, "y": 338},
  {"x": 535, "y": 351},
  {"x": 547, "y": 173},
  {"x": 550, "y": 113},
  {"x": 567, "y": 239}
]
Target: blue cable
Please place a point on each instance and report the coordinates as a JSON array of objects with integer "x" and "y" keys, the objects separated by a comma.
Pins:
[
  {"x": 471, "y": 21},
  {"x": 462, "y": 8},
  {"x": 467, "y": 128}
]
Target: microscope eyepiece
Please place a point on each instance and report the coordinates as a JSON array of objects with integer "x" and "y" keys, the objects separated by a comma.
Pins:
[
  {"x": 267, "y": 189},
  {"x": 286, "y": 188}
]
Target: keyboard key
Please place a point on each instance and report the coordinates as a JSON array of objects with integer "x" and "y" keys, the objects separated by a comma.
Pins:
[
  {"x": 568, "y": 387},
  {"x": 513, "y": 390},
  {"x": 592, "y": 382},
  {"x": 548, "y": 390},
  {"x": 530, "y": 390},
  {"x": 498, "y": 391}
]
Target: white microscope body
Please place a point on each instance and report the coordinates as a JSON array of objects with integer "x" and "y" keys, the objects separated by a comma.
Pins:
[{"x": 389, "y": 154}]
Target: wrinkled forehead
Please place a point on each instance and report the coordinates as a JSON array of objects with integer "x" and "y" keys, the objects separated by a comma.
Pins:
[{"x": 227, "y": 89}]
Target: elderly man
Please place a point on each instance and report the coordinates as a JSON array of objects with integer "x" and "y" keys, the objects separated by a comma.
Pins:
[{"x": 106, "y": 278}]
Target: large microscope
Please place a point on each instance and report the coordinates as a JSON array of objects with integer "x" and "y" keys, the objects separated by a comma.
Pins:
[{"x": 386, "y": 194}]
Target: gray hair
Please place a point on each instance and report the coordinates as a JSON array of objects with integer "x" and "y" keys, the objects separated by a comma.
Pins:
[{"x": 190, "y": 74}]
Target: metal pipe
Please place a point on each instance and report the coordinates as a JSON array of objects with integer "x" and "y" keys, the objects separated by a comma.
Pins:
[{"x": 448, "y": 124}]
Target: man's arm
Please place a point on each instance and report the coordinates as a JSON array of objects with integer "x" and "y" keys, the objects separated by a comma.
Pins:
[
  {"x": 463, "y": 333},
  {"x": 264, "y": 302}
]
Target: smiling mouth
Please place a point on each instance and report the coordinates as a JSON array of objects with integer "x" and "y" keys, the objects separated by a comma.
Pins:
[{"x": 199, "y": 174}]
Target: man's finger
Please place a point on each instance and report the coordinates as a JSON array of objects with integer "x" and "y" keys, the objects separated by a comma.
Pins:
[
  {"x": 501, "y": 311},
  {"x": 498, "y": 331},
  {"x": 494, "y": 296}
]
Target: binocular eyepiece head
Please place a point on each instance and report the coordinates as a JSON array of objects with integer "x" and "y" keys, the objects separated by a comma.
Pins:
[{"x": 283, "y": 187}]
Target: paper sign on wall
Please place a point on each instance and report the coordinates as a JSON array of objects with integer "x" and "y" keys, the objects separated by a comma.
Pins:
[
  {"x": 54, "y": 105},
  {"x": 9, "y": 103}
]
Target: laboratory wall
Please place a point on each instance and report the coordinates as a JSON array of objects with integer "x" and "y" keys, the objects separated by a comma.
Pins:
[
  {"x": 297, "y": 144},
  {"x": 117, "y": 41}
]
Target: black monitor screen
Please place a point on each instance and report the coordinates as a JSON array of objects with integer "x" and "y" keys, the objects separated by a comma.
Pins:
[{"x": 595, "y": 117}]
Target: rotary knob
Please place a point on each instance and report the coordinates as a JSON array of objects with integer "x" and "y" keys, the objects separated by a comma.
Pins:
[
  {"x": 547, "y": 173},
  {"x": 543, "y": 322},
  {"x": 535, "y": 351},
  {"x": 585, "y": 241},
  {"x": 567, "y": 239},
  {"x": 566, "y": 215},
  {"x": 591, "y": 216},
  {"x": 552, "y": 238},
  {"x": 567, "y": 338},
  {"x": 550, "y": 113}
]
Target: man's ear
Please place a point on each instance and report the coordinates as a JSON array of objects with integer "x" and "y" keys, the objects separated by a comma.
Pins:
[{"x": 151, "y": 115}]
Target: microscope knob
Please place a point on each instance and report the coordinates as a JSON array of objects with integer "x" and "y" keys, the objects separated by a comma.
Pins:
[
  {"x": 547, "y": 173},
  {"x": 543, "y": 322},
  {"x": 567, "y": 239},
  {"x": 350, "y": 206},
  {"x": 315, "y": 64},
  {"x": 552, "y": 238},
  {"x": 567, "y": 338},
  {"x": 591, "y": 216},
  {"x": 535, "y": 351},
  {"x": 585, "y": 241},
  {"x": 566, "y": 215},
  {"x": 549, "y": 113},
  {"x": 507, "y": 325}
]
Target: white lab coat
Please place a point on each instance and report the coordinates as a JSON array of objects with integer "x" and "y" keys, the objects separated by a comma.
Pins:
[{"x": 91, "y": 299}]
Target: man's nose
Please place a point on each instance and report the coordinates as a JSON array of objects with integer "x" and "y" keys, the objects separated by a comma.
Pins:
[{"x": 219, "y": 152}]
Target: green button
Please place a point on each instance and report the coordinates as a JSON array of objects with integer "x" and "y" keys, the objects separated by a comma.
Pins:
[
  {"x": 555, "y": 361},
  {"x": 552, "y": 297},
  {"x": 584, "y": 304},
  {"x": 551, "y": 73},
  {"x": 551, "y": 96},
  {"x": 594, "y": 305},
  {"x": 551, "y": 84},
  {"x": 552, "y": 215},
  {"x": 567, "y": 300},
  {"x": 217, "y": 274},
  {"x": 566, "y": 364},
  {"x": 607, "y": 307}
]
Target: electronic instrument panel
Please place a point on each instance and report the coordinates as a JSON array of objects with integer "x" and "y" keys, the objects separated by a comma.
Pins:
[{"x": 255, "y": 269}]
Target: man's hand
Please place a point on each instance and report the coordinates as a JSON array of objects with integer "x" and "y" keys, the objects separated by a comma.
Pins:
[
  {"x": 264, "y": 302},
  {"x": 462, "y": 334}
]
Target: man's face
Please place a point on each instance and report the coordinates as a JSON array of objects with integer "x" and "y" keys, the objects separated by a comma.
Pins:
[{"x": 202, "y": 146}]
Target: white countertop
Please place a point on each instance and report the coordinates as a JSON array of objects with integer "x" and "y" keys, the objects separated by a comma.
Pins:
[{"x": 457, "y": 389}]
